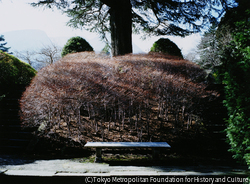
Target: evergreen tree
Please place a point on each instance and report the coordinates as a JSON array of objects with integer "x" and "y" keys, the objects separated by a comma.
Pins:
[
  {"x": 229, "y": 46},
  {"x": 208, "y": 49},
  {"x": 2, "y": 45},
  {"x": 160, "y": 17},
  {"x": 236, "y": 78},
  {"x": 237, "y": 81}
]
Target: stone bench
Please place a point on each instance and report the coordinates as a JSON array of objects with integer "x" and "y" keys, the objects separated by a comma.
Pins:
[{"x": 101, "y": 145}]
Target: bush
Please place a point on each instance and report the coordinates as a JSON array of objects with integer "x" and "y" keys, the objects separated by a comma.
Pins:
[
  {"x": 237, "y": 86},
  {"x": 126, "y": 98},
  {"x": 13, "y": 72},
  {"x": 166, "y": 46},
  {"x": 76, "y": 44}
]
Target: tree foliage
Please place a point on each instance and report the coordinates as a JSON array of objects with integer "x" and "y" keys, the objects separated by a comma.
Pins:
[
  {"x": 225, "y": 31},
  {"x": 76, "y": 44},
  {"x": 237, "y": 81},
  {"x": 215, "y": 42},
  {"x": 226, "y": 51},
  {"x": 208, "y": 49},
  {"x": 161, "y": 17},
  {"x": 2, "y": 45},
  {"x": 166, "y": 46},
  {"x": 158, "y": 17}
]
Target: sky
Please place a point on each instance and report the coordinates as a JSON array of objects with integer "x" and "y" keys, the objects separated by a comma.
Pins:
[{"x": 19, "y": 15}]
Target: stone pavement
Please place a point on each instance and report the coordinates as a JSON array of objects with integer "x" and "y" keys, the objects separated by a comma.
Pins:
[{"x": 11, "y": 166}]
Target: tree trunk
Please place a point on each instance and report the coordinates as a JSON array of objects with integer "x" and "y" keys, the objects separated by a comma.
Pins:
[{"x": 121, "y": 27}]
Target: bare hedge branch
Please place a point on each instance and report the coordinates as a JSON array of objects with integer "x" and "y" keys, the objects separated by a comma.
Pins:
[{"x": 85, "y": 97}]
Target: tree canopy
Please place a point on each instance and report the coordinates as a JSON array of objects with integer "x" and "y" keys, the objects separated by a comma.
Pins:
[
  {"x": 236, "y": 78},
  {"x": 161, "y": 17},
  {"x": 225, "y": 50},
  {"x": 2, "y": 45},
  {"x": 208, "y": 49}
]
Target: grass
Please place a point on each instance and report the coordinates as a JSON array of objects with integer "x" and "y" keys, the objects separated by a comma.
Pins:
[
  {"x": 90, "y": 159},
  {"x": 126, "y": 158}
]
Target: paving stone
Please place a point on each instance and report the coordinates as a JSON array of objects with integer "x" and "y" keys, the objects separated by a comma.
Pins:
[
  {"x": 70, "y": 174},
  {"x": 134, "y": 173},
  {"x": 73, "y": 167},
  {"x": 84, "y": 174},
  {"x": 2, "y": 171}
]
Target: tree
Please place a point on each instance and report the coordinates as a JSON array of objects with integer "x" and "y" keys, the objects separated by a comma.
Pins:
[
  {"x": 212, "y": 45},
  {"x": 2, "y": 45},
  {"x": 208, "y": 49},
  {"x": 161, "y": 17},
  {"x": 192, "y": 55},
  {"x": 27, "y": 56},
  {"x": 48, "y": 54},
  {"x": 231, "y": 46},
  {"x": 224, "y": 33},
  {"x": 76, "y": 44},
  {"x": 236, "y": 61},
  {"x": 106, "y": 49}
]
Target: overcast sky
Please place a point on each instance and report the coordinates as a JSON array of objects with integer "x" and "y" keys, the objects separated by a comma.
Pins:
[{"x": 19, "y": 15}]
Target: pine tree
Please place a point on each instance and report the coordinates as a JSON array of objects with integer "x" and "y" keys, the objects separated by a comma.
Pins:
[
  {"x": 160, "y": 17},
  {"x": 2, "y": 45},
  {"x": 208, "y": 49}
]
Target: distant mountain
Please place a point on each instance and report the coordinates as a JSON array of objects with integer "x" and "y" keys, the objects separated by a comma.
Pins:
[
  {"x": 136, "y": 49},
  {"x": 23, "y": 40}
]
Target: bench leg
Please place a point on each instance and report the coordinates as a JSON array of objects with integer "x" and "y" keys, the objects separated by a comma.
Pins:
[
  {"x": 98, "y": 157},
  {"x": 156, "y": 153}
]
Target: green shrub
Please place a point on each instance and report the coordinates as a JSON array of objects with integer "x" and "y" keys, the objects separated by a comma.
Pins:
[
  {"x": 166, "y": 46},
  {"x": 237, "y": 90},
  {"x": 13, "y": 72},
  {"x": 76, "y": 44}
]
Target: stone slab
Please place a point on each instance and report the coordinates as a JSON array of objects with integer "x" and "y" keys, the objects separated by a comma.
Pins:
[{"x": 127, "y": 145}]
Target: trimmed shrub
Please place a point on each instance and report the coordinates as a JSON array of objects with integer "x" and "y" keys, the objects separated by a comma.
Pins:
[
  {"x": 127, "y": 98},
  {"x": 76, "y": 44},
  {"x": 13, "y": 72},
  {"x": 166, "y": 46}
]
